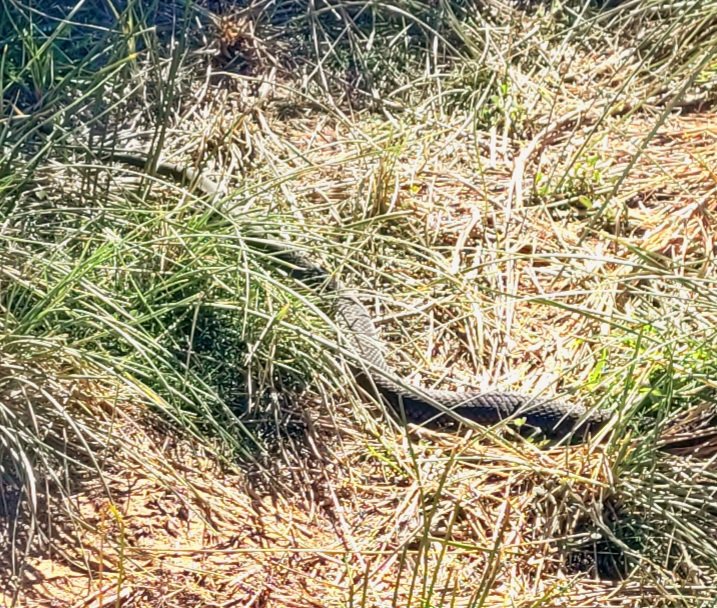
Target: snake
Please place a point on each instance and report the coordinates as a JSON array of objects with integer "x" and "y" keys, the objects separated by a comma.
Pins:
[{"x": 555, "y": 418}]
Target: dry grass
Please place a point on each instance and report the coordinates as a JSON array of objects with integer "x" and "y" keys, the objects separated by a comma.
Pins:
[
  {"x": 394, "y": 519},
  {"x": 545, "y": 241},
  {"x": 363, "y": 529}
]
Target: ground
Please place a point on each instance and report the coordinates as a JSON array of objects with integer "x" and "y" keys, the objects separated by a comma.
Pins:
[{"x": 552, "y": 240}]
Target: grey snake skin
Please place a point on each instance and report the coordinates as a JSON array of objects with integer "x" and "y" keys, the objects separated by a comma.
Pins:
[{"x": 555, "y": 418}]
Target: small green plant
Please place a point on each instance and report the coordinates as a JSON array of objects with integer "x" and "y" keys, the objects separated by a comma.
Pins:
[{"x": 581, "y": 190}]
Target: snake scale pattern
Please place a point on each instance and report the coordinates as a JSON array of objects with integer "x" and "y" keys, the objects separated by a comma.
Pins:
[{"x": 555, "y": 418}]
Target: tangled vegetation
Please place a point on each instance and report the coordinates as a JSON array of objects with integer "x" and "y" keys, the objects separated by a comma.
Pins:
[{"x": 523, "y": 192}]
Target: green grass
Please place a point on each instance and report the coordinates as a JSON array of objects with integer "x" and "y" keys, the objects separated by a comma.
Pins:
[{"x": 473, "y": 171}]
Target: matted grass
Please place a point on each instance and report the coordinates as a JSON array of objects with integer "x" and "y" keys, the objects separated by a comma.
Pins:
[{"x": 524, "y": 195}]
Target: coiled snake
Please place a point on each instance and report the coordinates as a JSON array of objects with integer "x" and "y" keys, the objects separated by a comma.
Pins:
[{"x": 553, "y": 417}]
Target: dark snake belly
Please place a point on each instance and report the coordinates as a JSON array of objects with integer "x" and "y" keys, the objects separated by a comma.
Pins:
[{"x": 555, "y": 418}]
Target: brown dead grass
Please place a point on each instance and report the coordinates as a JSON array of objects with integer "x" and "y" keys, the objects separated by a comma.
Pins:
[
  {"x": 394, "y": 519},
  {"x": 222, "y": 538}
]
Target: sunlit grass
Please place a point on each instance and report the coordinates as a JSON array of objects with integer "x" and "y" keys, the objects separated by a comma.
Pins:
[{"x": 510, "y": 192}]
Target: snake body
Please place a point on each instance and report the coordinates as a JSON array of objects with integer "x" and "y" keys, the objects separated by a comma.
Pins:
[{"x": 555, "y": 418}]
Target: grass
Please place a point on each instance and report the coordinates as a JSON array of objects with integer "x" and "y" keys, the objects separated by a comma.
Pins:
[{"x": 524, "y": 195}]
